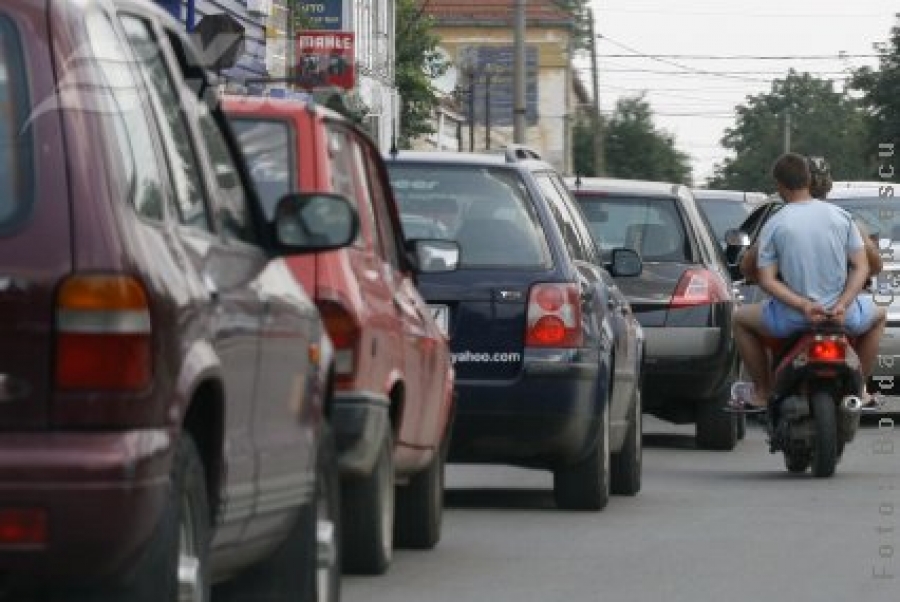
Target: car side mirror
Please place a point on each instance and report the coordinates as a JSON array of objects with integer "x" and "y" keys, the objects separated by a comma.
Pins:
[
  {"x": 626, "y": 262},
  {"x": 431, "y": 256},
  {"x": 736, "y": 238},
  {"x": 308, "y": 223}
]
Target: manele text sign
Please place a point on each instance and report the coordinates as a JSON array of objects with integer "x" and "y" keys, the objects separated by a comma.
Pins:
[{"x": 325, "y": 59}]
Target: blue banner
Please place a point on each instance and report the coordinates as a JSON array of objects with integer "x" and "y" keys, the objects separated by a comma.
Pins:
[
  {"x": 321, "y": 14},
  {"x": 172, "y": 6}
]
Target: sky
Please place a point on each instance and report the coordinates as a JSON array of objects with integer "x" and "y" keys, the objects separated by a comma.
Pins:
[{"x": 655, "y": 45}]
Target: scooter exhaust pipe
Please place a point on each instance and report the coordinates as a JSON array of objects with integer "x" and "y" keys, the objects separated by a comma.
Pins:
[{"x": 852, "y": 403}]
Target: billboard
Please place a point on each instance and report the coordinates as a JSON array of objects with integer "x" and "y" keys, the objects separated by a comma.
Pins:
[
  {"x": 325, "y": 59},
  {"x": 321, "y": 14},
  {"x": 492, "y": 66}
]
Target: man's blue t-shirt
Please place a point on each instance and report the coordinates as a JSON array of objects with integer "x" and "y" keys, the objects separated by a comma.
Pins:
[{"x": 810, "y": 242}]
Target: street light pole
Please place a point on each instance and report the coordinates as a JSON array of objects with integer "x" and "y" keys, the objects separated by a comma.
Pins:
[
  {"x": 519, "y": 74},
  {"x": 599, "y": 163}
]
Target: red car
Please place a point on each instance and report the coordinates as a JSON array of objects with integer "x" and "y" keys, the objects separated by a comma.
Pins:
[
  {"x": 163, "y": 377},
  {"x": 394, "y": 400}
]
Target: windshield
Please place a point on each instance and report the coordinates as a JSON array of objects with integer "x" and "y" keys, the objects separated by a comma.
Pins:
[
  {"x": 723, "y": 215},
  {"x": 880, "y": 216},
  {"x": 486, "y": 210},
  {"x": 650, "y": 226}
]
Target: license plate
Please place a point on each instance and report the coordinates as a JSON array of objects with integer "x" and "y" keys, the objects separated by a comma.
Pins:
[{"x": 441, "y": 316}]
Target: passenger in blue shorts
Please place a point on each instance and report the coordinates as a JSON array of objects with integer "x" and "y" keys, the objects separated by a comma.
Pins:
[{"x": 812, "y": 262}]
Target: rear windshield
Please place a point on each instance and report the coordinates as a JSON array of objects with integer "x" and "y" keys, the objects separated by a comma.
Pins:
[
  {"x": 650, "y": 226},
  {"x": 16, "y": 188},
  {"x": 267, "y": 150},
  {"x": 724, "y": 215},
  {"x": 878, "y": 215},
  {"x": 486, "y": 210}
]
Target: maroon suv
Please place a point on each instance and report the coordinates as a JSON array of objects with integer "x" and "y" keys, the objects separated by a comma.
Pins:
[{"x": 163, "y": 379}]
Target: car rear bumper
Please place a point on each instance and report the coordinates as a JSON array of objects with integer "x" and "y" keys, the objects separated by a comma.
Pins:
[
  {"x": 103, "y": 494},
  {"x": 542, "y": 418},
  {"x": 886, "y": 376},
  {"x": 688, "y": 363},
  {"x": 360, "y": 421}
]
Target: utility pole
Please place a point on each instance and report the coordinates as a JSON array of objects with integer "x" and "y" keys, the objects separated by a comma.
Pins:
[
  {"x": 487, "y": 110},
  {"x": 787, "y": 130},
  {"x": 472, "y": 111},
  {"x": 519, "y": 74},
  {"x": 599, "y": 151}
]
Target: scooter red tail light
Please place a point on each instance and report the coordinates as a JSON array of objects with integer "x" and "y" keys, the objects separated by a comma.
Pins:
[{"x": 827, "y": 351}]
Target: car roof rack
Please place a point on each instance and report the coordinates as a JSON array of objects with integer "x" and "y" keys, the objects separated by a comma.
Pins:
[{"x": 517, "y": 152}]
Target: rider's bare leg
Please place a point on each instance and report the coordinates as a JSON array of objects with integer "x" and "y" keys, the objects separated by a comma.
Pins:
[{"x": 748, "y": 333}]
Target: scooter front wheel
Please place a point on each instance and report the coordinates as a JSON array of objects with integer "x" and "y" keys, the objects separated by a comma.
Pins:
[{"x": 825, "y": 446}]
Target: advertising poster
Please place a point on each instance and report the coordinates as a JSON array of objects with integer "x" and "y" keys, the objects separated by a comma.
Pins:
[{"x": 325, "y": 59}]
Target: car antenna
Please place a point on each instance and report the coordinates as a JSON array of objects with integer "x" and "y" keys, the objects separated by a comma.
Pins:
[
  {"x": 577, "y": 179},
  {"x": 394, "y": 151}
]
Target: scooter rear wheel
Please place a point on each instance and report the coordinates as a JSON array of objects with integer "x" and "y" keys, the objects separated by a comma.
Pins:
[{"x": 825, "y": 447}]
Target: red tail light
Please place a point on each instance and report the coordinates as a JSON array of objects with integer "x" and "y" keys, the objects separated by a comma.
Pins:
[
  {"x": 699, "y": 287},
  {"x": 23, "y": 526},
  {"x": 103, "y": 334},
  {"x": 827, "y": 351},
  {"x": 344, "y": 332},
  {"x": 554, "y": 316}
]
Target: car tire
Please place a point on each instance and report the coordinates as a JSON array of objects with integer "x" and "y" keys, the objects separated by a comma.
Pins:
[
  {"x": 291, "y": 572},
  {"x": 367, "y": 516},
  {"x": 741, "y": 427},
  {"x": 181, "y": 537},
  {"x": 716, "y": 429},
  {"x": 420, "y": 506},
  {"x": 585, "y": 484},
  {"x": 625, "y": 477}
]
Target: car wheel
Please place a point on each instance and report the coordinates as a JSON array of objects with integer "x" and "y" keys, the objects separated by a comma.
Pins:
[
  {"x": 716, "y": 428},
  {"x": 585, "y": 484},
  {"x": 627, "y": 464},
  {"x": 175, "y": 564},
  {"x": 367, "y": 516},
  {"x": 420, "y": 506},
  {"x": 306, "y": 565}
]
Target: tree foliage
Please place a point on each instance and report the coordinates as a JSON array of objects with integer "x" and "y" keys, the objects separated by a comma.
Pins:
[
  {"x": 881, "y": 98},
  {"x": 417, "y": 64},
  {"x": 636, "y": 149},
  {"x": 581, "y": 21},
  {"x": 822, "y": 122}
]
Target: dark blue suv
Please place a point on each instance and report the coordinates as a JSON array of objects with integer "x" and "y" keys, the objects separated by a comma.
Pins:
[{"x": 547, "y": 352}]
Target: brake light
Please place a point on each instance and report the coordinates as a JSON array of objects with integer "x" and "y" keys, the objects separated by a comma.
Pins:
[
  {"x": 827, "y": 351},
  {"x": 554, "y": 316},
  {"x": 699, "y": 287},
  {"x": 103, "y": 334},
  {"x": 344, "y": 332},
  {"x": 23, "y": 526}
]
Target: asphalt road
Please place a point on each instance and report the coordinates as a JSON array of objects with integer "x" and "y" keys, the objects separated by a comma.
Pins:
[{"x": 706, "y": 527}]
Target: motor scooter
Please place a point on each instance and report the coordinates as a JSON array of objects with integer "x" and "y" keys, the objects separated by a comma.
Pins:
[{"x": 814, "y": 409}]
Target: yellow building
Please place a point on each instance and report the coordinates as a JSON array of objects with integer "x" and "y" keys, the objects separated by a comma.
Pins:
[{"x": 477, "y": 37}]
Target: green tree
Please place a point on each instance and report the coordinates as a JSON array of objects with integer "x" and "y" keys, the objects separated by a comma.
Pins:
[
  {"x": 635, "y": 149},
  {"x": 581, "y": 24},
  {"x": 822, "y": 122},
  {"x": 881, "y": 98},
  {"x": 418, "y": 63}
]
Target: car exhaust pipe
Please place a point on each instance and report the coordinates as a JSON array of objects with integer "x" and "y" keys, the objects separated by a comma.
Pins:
[{"x": 852, "y": 403}]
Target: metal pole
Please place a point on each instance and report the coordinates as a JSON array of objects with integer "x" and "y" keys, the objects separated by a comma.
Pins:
[
  {"x": 487, "y": 111},
  {"x": 787, "y": 131},
  {"x": 519, "y": 74},
  {"x": 472, "y": 112},
  {"x": 599, "y": 151}
]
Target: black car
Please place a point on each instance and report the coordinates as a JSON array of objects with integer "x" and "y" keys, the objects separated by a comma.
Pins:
[
  {"x": 546, "y": 351},
  {"x": 683, "y": 299}
]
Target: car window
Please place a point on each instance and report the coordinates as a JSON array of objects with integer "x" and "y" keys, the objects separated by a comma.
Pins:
[
  {"x": 879, "y": 215},
  {"x": 487, "y": 210},
  {"x": 563, "y": 218},
  {"x": 131, "y": 125},
  {"x": 380, "y": 203},
  {"x": 267, "y": 148},
  {"x": 344, "y": 176},
  {"x": 16, "y": 168},
  {"x": 650, "y": 226},
  {"x": 231, "y": 197},
  {"x": 723, "y": 215},
  {"x": 165, "y": 100}
]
